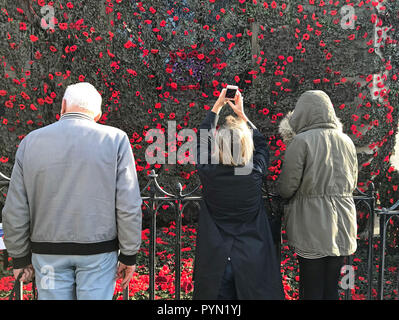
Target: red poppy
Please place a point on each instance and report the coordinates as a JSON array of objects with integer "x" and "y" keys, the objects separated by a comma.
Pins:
[
  {"x": 63, "y": 26},
  {"x": 132, "y": 72}
]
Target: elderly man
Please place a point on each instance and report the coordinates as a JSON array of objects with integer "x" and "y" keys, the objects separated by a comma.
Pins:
[{"x": 73, "y": 202}]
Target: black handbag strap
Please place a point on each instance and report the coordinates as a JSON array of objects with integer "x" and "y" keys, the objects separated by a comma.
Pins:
[
  {"x": 13, "y": 293},
  {"x": 34, "y": 289}
]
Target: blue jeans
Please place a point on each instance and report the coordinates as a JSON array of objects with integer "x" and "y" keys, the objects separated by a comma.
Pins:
[
  {"x": 71, "y": 277},
  {"x": 227, "y": 289}
]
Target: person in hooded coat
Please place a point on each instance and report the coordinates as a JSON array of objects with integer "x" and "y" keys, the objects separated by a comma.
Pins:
[
  {"x": 319, "y": 176},
  {"x": 235, "y": 254}
]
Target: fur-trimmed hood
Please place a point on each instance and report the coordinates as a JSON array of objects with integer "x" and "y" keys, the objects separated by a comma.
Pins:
[
  {"x": 285, "y": 130},
  {"x": 313, "y": 110}
]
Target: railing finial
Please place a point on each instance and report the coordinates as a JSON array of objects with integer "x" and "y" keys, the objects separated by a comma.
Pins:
[
  {"x": 153, "y": 174},
  {"x": 4, "y": 180},
  {"x": 179, "y": 188}
]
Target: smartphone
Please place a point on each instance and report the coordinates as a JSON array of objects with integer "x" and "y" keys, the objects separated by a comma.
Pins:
[{"x": 231, "y": 92}]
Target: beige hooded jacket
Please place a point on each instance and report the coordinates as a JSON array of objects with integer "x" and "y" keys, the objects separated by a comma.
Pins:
[{"x": 319, "y": 176}]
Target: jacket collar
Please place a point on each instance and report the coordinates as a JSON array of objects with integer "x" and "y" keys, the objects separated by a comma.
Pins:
[{"x": 76, "y": 115}]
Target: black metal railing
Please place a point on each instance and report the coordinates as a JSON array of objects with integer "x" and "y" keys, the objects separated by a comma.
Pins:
[
  {"x": 385, "y": 216},
  {"x": 154, "y": 196},
  {"x": 367, "y": 199}
]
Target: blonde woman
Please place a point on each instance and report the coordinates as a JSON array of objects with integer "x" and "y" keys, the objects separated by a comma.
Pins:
[{"x": 235, "y": 254}]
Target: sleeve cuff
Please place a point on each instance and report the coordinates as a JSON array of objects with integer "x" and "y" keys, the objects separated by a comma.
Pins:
[
  {"x": 215, "y": 119},
  {"x": 212, "y": 119},
  {"x": 127, "y": 260},
  {"x": 22, "y": 262}
]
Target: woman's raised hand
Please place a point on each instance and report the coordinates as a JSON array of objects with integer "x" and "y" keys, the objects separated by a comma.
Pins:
[
  {"x": 220, "y": 102},
  {"x": 238, "y": 107}
]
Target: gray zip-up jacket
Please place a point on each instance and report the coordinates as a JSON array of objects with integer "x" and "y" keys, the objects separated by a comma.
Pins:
[{"x": 73, "y": 191}]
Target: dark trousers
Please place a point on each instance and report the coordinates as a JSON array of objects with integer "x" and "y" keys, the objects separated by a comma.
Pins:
[
  {"x": 227, "y": 289},
  {"x": 318, "y": 278}
]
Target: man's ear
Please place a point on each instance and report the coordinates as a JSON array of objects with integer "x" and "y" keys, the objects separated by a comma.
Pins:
[
  {"x": 98, "y": 117},
  {"x": 63, "y": 106}
]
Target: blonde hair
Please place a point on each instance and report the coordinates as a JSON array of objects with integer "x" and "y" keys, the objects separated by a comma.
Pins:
[{"x": 234, "y": 142}]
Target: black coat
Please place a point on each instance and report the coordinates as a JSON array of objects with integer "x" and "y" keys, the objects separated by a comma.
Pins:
[{"x": 233, "y": 223}]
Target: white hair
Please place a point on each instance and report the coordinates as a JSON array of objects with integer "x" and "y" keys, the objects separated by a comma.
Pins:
[{"x": 85, "y": 96}]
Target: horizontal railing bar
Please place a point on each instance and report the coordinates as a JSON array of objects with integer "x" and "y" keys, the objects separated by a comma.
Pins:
[
  {"x": 197, "y": 198},
  {"x": 362, "y": 197},
  {"x": 176, "y": 198},
  {"x": 387, "y": 212}
]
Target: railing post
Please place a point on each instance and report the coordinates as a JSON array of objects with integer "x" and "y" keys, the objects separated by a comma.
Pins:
[
  {"x": 383, "y": 220},
  {"x": 178, "y": 242},
  {"x": 349, "y": 262},
  {"x": 397, "y": 282},
  {"x": 5, "y": 261},
  {"x": 153, "y": 231},
  {"x": 370, "y": 261}
]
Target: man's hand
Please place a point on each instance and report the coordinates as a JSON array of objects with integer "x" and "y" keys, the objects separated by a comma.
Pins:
[
  {"x": 28, "y": 273},
  {"x": 125, "y": 273}
]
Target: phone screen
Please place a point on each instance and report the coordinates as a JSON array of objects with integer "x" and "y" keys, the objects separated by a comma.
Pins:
[{"x": 231, "y": 93}]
